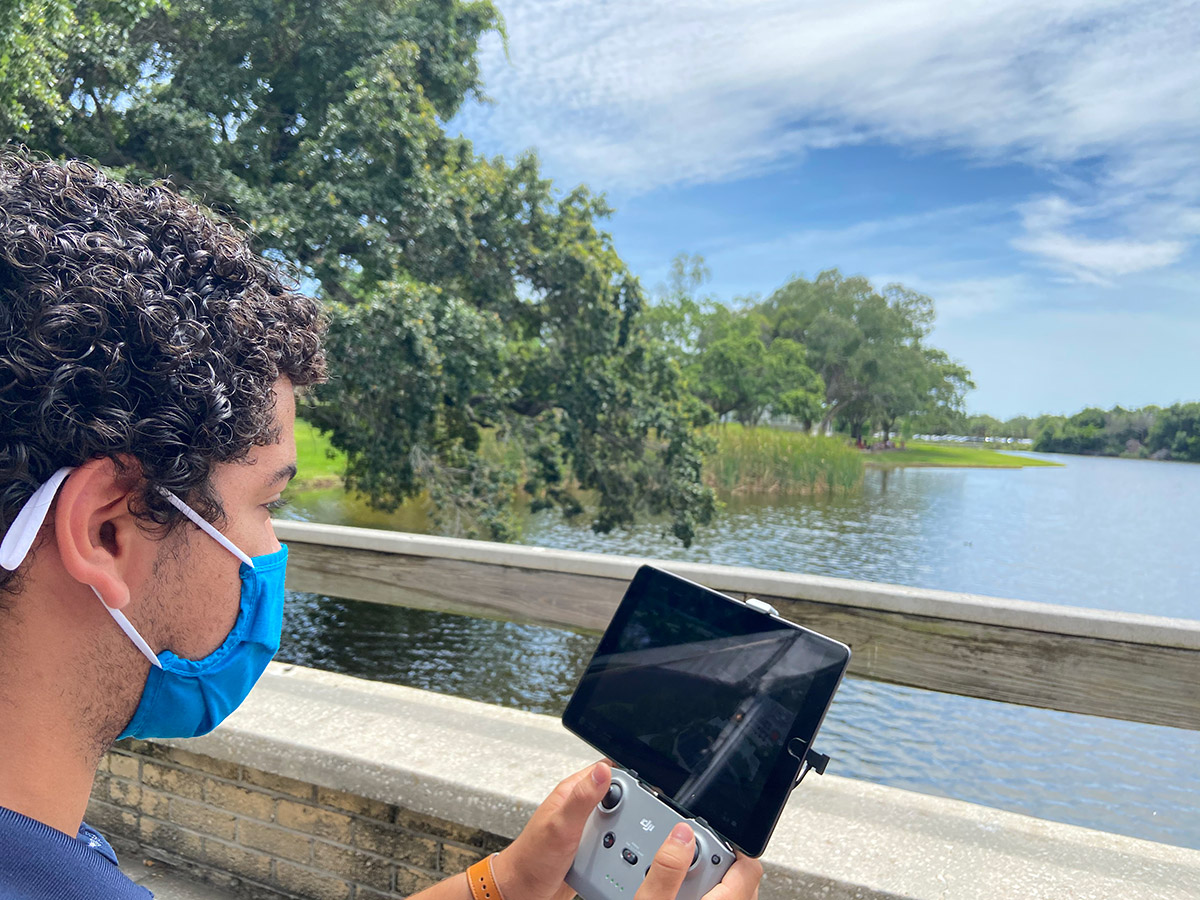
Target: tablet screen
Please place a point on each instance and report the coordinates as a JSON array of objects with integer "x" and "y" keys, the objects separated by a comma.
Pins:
[{"x": 703, "y": 696}]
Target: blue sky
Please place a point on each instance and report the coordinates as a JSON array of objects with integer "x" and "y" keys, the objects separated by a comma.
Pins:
[{"x": 1032, "y": 166}]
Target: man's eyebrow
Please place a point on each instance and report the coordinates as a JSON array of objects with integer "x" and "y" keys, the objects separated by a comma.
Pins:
[{"x": 288, "y": 472}]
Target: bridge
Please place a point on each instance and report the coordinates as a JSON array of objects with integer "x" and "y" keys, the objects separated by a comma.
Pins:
[{"x": 326, "y": 786}]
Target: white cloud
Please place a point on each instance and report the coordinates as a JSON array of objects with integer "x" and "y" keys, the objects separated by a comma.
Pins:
[
  {"x": 632, "y": 96},
  {"x": 1094, "y": 260},
  {"x": 1099, "y": 261}
]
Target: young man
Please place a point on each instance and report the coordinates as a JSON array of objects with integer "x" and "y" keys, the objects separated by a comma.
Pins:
[{"x": 147, "y": 365}]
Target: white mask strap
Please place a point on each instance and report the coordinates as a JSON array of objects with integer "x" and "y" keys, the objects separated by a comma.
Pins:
[
  {"x": 206, "y": 526},
  {"x": 130, "y": 632},
  {"x": 25, "y": 527}
]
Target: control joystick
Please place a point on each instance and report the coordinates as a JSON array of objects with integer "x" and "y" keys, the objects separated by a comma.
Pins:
[
  {"x": 613, "y": 797},
  {"x": 628, "y": 825}
]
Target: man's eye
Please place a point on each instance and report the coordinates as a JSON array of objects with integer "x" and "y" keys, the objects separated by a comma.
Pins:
[{"x": 277, "y": 504}]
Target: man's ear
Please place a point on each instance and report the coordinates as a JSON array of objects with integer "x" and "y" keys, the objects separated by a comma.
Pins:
[{"x": 96, "y": 532}]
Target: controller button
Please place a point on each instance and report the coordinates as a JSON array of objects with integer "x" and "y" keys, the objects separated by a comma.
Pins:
[
  {"x": 716, "y": 860},
  {"x": 695, "y": 854},
  {"x": 629, "y": 856},
  {"x": 612, "y": 798},
  {"x": 609, "y": 840}
]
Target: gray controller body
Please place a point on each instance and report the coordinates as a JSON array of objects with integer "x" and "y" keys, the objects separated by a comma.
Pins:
[{"x": 619, "y": 844}]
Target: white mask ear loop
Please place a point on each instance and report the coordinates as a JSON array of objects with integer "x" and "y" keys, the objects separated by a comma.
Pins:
[
  {"x": 22, "y": 533},
  {"x": 206, "y": 526},
  {"x": 25, "y": 527},
  {"x": 130, "y": 632}
]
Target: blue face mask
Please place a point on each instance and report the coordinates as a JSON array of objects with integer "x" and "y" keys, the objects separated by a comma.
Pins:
[{"x": 186, "y": 697}]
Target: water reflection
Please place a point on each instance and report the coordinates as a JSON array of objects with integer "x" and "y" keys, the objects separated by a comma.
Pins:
[
  {"x": 1107, "y": 533},
  {"x": 520, "y": 666}
]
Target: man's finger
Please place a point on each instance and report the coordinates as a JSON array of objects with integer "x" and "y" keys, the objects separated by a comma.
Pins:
[
  {"x": 670, "y": 865},
  {"x": 542, "y": 853},
  {"x": 573, "y": 801},
  {"x": 740, "y": 882}
]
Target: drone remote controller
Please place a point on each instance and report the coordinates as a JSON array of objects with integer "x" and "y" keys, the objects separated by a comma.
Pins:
[{"x": 621, "y": 837}]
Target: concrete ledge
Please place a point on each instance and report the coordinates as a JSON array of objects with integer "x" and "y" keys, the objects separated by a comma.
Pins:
[{"x": 488, "y": 767}]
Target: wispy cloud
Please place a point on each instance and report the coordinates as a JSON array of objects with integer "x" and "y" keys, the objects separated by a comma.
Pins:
[
  {"x": 1093, "y": 260},
  {"x": 1102, "y": 94},
  {"x": 1098, "y": 261},
  {"x": 967, "y": 299}
]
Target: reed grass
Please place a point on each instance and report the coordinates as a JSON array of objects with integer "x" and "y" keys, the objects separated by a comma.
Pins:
[{"x": 767, "y": 460}]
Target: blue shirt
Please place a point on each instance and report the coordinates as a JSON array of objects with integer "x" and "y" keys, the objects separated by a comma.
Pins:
[{"x": 38, "y": 862}]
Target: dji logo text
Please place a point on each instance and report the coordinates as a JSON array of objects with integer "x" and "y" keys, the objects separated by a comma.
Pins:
[{"x": 647, "y": 825}]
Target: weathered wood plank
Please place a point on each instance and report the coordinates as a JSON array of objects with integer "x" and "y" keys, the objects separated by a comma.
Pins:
[
  {"x": 1114, "y": 679},
  {"x": 1121, "y": 666},
  {"x": 578, "y": 602}
]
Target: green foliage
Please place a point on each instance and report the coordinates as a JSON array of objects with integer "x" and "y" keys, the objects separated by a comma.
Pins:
[
  {"x": 467, "y": 296},
  {"x": 737, "y": 374},
  {"x": 868, "y": 347},
  {"x": 1176, "y": 430},
  {"x": 939, "y": 421},
  {"x": 1171, "y": 433},
  {"x": 984, "y": 426},
  {"x": 1017, "y": 427},
  {"x": 771, "y": 460},
  {"x": 58, "y": 55},
  {"x": 726, "y": 356}
]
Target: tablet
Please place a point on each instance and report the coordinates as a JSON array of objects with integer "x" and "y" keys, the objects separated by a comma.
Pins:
[{"x": 711, "y": 701}]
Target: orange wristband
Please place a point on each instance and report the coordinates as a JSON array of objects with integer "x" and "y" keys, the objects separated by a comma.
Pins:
[{"x": 483, "y": 880}]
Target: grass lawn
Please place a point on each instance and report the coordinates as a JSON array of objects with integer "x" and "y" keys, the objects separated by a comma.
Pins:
[
  {"x": 318, "y": 463},
  {"x": 921, "y": 454}
]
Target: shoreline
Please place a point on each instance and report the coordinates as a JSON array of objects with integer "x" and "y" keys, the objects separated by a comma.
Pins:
[{"x": 929, "y": 455}]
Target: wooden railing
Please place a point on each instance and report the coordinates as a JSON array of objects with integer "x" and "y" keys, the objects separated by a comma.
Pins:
[{"x": 1119, "y": 665}]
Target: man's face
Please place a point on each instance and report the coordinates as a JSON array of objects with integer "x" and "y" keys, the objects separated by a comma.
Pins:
[{"x": 197, "y": 589}]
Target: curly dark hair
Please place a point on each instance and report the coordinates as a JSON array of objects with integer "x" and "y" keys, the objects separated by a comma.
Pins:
[{"x": 133, "y": 325}]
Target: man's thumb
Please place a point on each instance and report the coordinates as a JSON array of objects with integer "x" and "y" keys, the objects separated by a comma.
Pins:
[{"x": 587, "y": 792}]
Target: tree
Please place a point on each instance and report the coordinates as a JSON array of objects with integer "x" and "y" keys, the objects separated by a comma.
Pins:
[
  {"x": 1127, "y": 431},
  {"x": 723, "y": 355},
  {"x": 484, "y": 332},
  {"x": 868, "y": 347},
  {"x": 940, "y": 421},
  {"x": 983, "y": 426},
  {"x": 737, "y": 374},
  {"x": 37, "y": 85},
  {"x": 794, "y": 389},
  {"x": 1176, "y": 431},
  {"x": 677, "y": 317},
  {"x": 1018, "y": 427}
]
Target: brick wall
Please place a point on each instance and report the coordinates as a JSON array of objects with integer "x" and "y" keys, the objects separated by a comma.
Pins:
[{"x": 269, "y": 837}]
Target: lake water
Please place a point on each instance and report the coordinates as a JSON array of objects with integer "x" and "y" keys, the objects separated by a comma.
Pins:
[{"x": 1107, "y": 533}]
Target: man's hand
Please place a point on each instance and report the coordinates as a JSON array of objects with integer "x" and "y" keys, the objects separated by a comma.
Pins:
[
  {"x": 534, "y": 865},
  {"x": 674, "y": 857}
]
